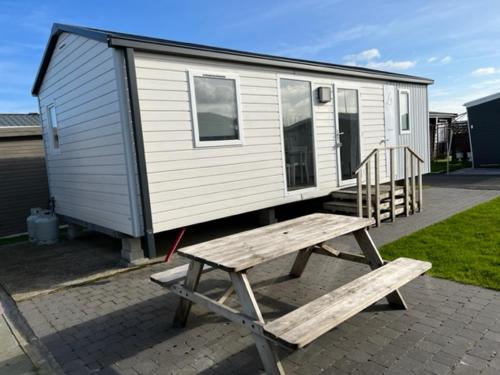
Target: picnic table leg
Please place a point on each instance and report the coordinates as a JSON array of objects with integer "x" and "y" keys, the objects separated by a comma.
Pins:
[
  {"x": 300, "y": 262},
  {"x": 191, "y": 283},
  {"x": 249, "y": 306},
  {"x": 375, "y": 260}
]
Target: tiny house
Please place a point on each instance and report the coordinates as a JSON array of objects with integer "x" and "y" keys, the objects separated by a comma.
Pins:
[
  {"x": 484, "y": 130},
  {"x": 144, "y": 135}
]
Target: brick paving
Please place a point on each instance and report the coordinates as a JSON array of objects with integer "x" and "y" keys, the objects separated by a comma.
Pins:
[{"x": 121, "y": 325}]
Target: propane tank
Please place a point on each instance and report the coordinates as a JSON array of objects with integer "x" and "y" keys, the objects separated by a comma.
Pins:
[
  {"x": 30, "y": 223},
  {"x": 47, "y": 228}
]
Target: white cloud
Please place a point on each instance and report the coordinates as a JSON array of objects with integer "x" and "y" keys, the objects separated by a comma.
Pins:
[
  {"x": 485, "y": 71},
  {"x": 391, "y": 64},
  {"x": 443, "y": 60},
  {"x": 364, "y": 56},
  {"x": 446, "y": 60},
  {"x": 326, "y": 42},
  {"x": 371, "y": 59}
]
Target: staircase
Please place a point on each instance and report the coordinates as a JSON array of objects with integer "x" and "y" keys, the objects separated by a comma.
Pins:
[{"x": 382, "y": 201}]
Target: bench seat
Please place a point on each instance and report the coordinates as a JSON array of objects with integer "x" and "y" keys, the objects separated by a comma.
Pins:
[
  {"x": 305, "y": 324},
  {"x": 174, "y": 275}
]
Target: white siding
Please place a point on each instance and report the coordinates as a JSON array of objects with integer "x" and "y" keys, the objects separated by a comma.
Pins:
[
  {"x": 190, "y": 185},
  {"x": 418, "y": 137},
  {"x": 91, "y": 177}
]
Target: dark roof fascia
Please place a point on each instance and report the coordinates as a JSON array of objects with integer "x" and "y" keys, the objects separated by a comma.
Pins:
[
  {"x": 155, "y": 45},
  {"x": 220, "y": 54},
  {"x": 442, "y": 114},
  {"x": 57, "y": 30}
]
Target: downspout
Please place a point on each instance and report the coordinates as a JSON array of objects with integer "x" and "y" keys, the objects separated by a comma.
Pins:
[{"x": 139, "y": 152}]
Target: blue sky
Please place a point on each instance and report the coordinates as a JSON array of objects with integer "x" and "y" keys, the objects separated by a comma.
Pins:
[{"x": 456, "y": 43}]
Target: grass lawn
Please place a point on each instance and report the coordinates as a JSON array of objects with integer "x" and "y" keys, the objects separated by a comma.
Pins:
[
  {"x": 24, "y": 238},
  {"x": 439, "y": 166},
  {"x": 463, "y": 248}
]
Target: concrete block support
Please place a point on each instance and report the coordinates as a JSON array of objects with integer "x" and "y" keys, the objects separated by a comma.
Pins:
[
  {"x": 267, "y": 216},
  {"x": 74, "y": 231},
  {"x": 132, "y": 252}
]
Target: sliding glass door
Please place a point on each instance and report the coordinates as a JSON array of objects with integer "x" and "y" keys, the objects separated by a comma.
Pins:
[
  {"x": 297, "y": 119},
  {"x": 348, "y": 132}
]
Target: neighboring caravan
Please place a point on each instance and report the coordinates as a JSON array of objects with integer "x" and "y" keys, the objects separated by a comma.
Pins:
[
  {"x": 23, "y": 179},
  {"x": 484, "y": 130},
  {"x": 145, "y": 135}
]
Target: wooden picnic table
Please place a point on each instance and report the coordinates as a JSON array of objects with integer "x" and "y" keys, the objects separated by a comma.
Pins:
[{"x": 238, "y": 253}]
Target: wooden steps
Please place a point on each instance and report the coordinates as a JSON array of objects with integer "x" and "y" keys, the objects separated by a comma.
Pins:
[
  {"x": 351, "y": 206},
  {"x": 305, "y": 324},
  {"x": 401, "y": 193},
  {"x": 345, "y": 201},
  {"x": 351, "y": 193}
]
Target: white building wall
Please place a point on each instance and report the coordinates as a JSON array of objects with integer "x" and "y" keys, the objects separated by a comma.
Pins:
[
  {"x": 191, "y": 185},
  {"x": 91, "y": 176},
  {"x": 418, "y": 137}
]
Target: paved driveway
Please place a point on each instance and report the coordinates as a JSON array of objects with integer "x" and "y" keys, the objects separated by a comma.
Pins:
[
  {"x": 457, "y": 181},
  {"x": 121, "y": 325}
]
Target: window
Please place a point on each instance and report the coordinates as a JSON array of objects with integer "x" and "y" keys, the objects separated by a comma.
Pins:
[
  {"x": 404, "y": 111},
  {"x": 53, "y": 128},
  {"x": 216, "y": 113},
  {"x": 296, "y": 110}
]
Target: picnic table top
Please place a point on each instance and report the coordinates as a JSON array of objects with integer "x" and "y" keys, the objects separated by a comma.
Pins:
[{"x": 242, "y": 251}]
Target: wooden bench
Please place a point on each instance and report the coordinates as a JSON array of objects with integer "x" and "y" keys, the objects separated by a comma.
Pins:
[
  {"x": 305, "y": 324},
  {"x": 238, "y": 253}
]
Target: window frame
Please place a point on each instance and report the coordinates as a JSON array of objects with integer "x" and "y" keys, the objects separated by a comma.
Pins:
[
  {"x": 401, "y": 130},
  {"x": 194, "y": 113},
  {"x": 282, "y": 134},
  {"x": 52, "y": 148}
]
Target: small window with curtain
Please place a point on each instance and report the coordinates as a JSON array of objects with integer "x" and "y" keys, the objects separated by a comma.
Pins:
[
  {"x": 216, "y": 109},
  {"x": 404, "y": 111},
  {"x": 53, "y": 128}
]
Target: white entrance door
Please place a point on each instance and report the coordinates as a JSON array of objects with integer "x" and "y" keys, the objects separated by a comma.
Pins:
[
  {"x": 390, "y": 115},
  {"x": 348, "y": 134},
  {"x": 391, "y": 123}
]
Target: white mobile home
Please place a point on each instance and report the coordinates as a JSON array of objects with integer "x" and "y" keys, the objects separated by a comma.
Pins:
[{"x": 145, "y": 135}]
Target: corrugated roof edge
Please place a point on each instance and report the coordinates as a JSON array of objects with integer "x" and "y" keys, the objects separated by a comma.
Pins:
[{"x": 122, "y": 40}]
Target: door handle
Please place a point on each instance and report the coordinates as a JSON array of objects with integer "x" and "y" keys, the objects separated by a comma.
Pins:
[{"x": 338, "y": 144}]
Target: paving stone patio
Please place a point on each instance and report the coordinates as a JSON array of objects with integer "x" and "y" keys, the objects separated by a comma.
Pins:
[{"x": 121, "y": 325}]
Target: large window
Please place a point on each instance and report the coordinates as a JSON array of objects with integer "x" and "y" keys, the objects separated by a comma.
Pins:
[
  {"x": 296, "y": 109},
  {"x": 404, "y": 111},
  {"x": 53, "y": 127},
  {"x": 216, "y": 114}
]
